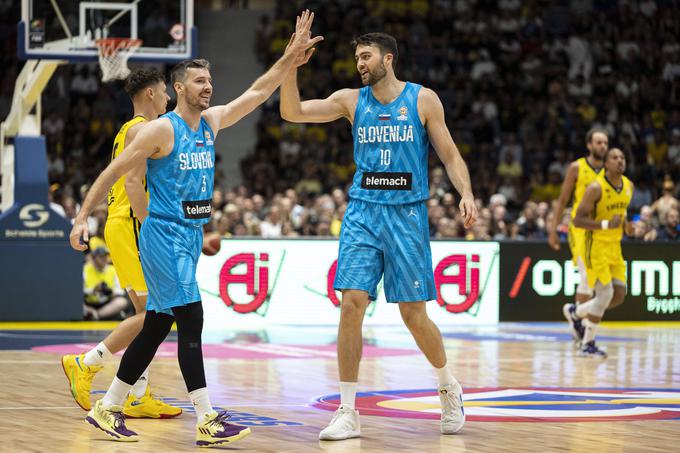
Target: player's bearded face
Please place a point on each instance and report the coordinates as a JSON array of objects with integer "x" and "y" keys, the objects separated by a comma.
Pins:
[
  {"x": 370, "y": 65},
  {"x": 198, "y": 88},
  {"x": 376, "y": 74},
  {"x": 598, "y": 145}
]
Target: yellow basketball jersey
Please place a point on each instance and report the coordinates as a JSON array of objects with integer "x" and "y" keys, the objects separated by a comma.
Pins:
[
  {"x": 586, "y": 175},
  {"x": 614, "y": 201},
  {"x": 118, "y": 201}
]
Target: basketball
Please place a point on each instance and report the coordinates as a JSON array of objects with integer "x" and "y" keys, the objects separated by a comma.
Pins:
[{"x": 211, "y": 243}]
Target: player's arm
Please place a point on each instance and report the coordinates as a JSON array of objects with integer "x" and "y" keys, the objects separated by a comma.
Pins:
[
  {"x": 558, "y": 206},
  {"x": 337, "y": 105},
  {"x": 590, "y": 198},
  {"x": 134, "y": 179},
  {"x": 156, "y": 138},
  {"x": 223, "y": 116},
  {"x": 433, "y": 113}
]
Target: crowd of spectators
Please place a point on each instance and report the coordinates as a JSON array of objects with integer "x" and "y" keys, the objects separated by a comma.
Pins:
[{"x": 520, "y": 81}]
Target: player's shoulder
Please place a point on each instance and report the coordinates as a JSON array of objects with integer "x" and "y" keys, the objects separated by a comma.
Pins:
[
  {"x": 428, "y": 100},
  {"x": 426, "y": 94},
  {"x": 596, "y": 185},
  {"x": 574, "y": 166},
  {"x": 577, "y": 162},
  {"x": 160, "y": 124}
]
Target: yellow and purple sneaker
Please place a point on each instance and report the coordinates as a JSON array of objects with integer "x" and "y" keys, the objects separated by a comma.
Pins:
[
  {"x": 112, "y": 421},
  {"x": 80, "y": 378},
  {"x": 149, "y": 406},
  {"x": 214, "y": 430}
]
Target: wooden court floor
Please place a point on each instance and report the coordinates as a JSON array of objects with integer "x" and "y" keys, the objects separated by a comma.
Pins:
[{"x": 526, "y": 390}]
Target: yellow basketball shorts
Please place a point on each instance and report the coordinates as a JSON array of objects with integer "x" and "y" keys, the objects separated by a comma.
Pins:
[
  {"x": 577, "y": 242},
  {"x": 122, "y": 238},
  {"x": 604, "y": 262}
]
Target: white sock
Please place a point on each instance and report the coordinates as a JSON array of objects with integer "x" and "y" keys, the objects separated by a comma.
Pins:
[
  {"x": 348, "y": 394},
  {"x": 139, "y": 389},
  {"x": 97, "y": 355},
  {"x": 117, "y": 393},
  {"x": 583, "y": 309},
  {"x": 590, "y": 331},
  {"x": 444, "y": 375},
  {"x": 201, "y": 401}
]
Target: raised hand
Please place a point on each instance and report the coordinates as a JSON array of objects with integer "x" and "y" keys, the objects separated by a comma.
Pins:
[{"x": 301, "y": 42}]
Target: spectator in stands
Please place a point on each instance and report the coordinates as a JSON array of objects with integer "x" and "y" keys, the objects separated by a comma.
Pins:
[
  {"x": 104, "y": 298},
  {"x": 513, "y": 76},
  {"x": 666, "y": 202},
  {"x": 670, "y": 231}
]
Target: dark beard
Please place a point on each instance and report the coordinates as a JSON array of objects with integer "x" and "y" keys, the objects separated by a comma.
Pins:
[
  {"x": 377, "y": 76},
  {"x": 196, "y": 103}
]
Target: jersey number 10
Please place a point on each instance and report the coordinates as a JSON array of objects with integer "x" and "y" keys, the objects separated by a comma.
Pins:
[{"x": 385, "y": 156}]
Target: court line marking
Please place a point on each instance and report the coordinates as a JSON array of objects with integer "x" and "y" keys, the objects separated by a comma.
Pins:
[
  {"x": 228, "y": 406},
  {"x": 109, "y": 325},
  {"x": 168, "y": 361}
]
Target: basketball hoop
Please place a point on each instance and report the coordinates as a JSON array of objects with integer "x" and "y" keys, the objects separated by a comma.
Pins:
[{"x": 113, "y": 56}]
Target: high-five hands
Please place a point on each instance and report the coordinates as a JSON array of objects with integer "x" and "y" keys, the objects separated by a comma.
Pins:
[{"x": 301, "y": 43}]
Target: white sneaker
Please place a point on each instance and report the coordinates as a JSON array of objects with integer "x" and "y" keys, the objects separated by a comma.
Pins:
[
  {"x": 453, "y": 414},
  {"x": 344, "y": 425}
]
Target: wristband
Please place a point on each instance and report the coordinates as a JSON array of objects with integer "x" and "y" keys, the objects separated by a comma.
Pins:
[{"x": 605, "y": 224}]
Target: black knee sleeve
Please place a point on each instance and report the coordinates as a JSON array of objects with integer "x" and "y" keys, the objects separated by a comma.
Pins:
[
  {"x": 189, "y": 353},
  {"x": 139, "y": 354}
]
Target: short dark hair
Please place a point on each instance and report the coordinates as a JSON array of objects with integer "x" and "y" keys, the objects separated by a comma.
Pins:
[
  {"x": 140, "y": 79},
  {"x": 179, "y": 72},
  {"x": 386, "y": 43},
  {"x": 593, "y": 131},
  {"x": 609, "y": 151}
]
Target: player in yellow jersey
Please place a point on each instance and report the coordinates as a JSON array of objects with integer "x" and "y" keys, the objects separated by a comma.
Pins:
[
  {"x": 581, "y": 172},
  {"x": 127, "y": 203},
  {"x": 602, "y": 213}
]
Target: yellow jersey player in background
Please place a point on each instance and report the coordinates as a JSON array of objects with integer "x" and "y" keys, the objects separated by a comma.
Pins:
[
  {"x": 579, "y": 175},
  {"x": 602, "y": 213},
  {"x": 127, "y": 204}
]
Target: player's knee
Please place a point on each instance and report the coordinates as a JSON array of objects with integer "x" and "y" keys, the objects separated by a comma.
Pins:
[
  {"x": 354, "y": 304},
  {"x": 603, "y": 297},
  {"x": 139, "y": 302},
  {"x": 189, "y": 320}
]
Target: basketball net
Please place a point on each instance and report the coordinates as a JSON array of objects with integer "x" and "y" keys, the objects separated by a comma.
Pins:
[{"x": 113, "y": 56}]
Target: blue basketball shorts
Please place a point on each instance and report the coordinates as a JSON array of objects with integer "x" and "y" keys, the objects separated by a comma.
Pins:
[
  {"x": 169, "y": 252},
  {"x": 393, "y": 240}
]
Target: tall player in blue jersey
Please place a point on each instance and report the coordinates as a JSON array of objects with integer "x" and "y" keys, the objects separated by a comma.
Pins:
[
  {"x": 180, "y": 171},
  {"x": 385, "y": 229}
]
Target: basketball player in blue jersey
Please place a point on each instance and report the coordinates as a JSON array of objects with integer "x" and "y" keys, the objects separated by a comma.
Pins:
[
  {"x": 385, "y": 229},
  {"x": 180, "y": 157}
]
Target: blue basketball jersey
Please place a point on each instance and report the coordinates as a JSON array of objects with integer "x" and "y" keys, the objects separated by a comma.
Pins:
[
  {"x": 391, "y": 148},
  {"x": 181, "y": 184}
]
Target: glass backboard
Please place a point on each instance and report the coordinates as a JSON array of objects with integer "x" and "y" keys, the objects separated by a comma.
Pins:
[{"x": 68, "y": 29}]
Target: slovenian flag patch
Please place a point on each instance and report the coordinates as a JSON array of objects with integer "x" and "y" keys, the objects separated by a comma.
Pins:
[{"x": 384, "y": 116}]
